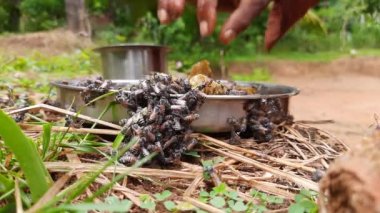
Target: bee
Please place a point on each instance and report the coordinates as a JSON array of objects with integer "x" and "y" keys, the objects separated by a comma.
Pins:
[
  {"x": 243, "y": 125},
  {"x": 191, "y": 145},
  {"x": 175, "y": 88},
  {"x": 164, "y": 102},
  {"x": 157, "y": 110},
  {"x": 235, "y": 138},
  {"x": 161, "y": 77},
  {"x": 234, "y": 123},
  {"x": 20, "y": 117},
  {"x": 135, "y": 148},
  {"x": 71, "y": 121},
  {"x": 128, "y": 158},
  {"x": 146, "y": 85},
  {"x": 137, "y": 129},
  {"x": 145, "y": 152},
  {"x": 166, "y": 125},
  {"x": 149, "y": 135},
  {"x": 317, "y": 175},
  {"x": 178, "y": 102},
  {"x": 169, "y": 142},
  {"x": 177, "y": 125},
  {"x": 191, "y": 117}
]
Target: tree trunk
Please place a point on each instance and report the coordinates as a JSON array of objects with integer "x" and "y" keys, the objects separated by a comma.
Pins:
[
  {"x": 352, "y": 183},
  {"x": 77, "y": 17}
]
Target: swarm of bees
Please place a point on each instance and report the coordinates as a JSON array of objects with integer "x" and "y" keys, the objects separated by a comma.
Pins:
[
  {"x": 161, "y": 109},
  {"x": 94, "y": 88},
  {"x": 262, "y": 117},
  {"x": 160, "y": 118}
]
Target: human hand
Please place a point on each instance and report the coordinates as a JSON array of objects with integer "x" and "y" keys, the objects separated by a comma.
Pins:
[{"x": 283, "y": 15}]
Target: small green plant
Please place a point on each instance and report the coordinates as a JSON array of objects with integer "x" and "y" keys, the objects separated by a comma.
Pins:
[
  {"x": 149, "y": 203},
  {"x": 305, "y": 202},
  {"x": 208, "y": 166},
  {"x": 265, "y": 200},
  {"x": 229, "y": 201}
]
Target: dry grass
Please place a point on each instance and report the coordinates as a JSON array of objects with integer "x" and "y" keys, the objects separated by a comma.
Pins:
[{"x": 280, "y": 168}]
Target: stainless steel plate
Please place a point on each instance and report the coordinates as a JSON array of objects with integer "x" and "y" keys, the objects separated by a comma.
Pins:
[{"x": 213, "y": 114}]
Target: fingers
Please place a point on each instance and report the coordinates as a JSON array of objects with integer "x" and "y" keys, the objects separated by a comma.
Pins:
[
  {"x": 241, "y": 18},
  {"x": 206, "y": 13},
  {"x": 170, "y": 10},
  {"x": 283, "y": 16}
]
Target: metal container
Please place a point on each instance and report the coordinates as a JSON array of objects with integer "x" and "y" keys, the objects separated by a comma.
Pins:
[
  {"x": 132, "y": 61},
  {"x": 213, "y": 114}
]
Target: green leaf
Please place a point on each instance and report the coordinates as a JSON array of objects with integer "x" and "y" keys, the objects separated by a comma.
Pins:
[
  {"x": 296, "y": 208},
  {"x": 218, "y": 202},
  {"x": 213, "y": 194},
  {"x": 207, "y": 163},
  {"x": 112, "y": 199},
  {"x": 163, "y": 195},
  {"x": 221, "y": 189},
  {"x": 309, "y": 205},
  {"x": 116, "y": 143},
  {"x": 149, "y": 204},
  {"x": 254, "y": 192},
  {"x": 306, "y": 193},
  {"x": 46, "y": 138},
  {"x": 5, "y": 184},
  {"x": 298, "y": 198},
  {"x": 231, "y": 203},
  {"x": 169, "y": 205},
  {"x": 239, "y": 206},
  {"x": 204, "y": 194},
  {"x": 192, "y": 153},
  {"x": 121, "y": 206},
  {"x": 278, "y": 200},
  {"x": 275, "y": 200},
  {"x": 200, "y": 211},
  {"x": 26, "y": 154},
  {"x": 185, "y": 207},
  {"x": 232, "y": 194},
  {"x": 259, "y": 208}
]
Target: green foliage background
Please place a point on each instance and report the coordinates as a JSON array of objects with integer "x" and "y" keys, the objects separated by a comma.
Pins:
[{"x": 345, "y": 25}]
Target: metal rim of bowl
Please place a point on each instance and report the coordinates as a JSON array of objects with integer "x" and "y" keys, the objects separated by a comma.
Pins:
[
  {"x": 121, "y": 47},
  {"x": 294, "y": 90}
]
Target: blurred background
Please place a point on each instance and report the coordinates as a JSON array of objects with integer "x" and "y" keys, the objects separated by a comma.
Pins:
[{"x": 332, "y": 54}]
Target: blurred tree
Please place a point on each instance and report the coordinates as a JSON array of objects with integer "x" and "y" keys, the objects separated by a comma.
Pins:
[
  {"x": 10, "y": 15},
  {"x": 41, "y": 15},
  {"x": 77, "y": 17}
]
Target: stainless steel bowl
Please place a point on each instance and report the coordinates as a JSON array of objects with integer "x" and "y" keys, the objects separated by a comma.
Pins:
[
  {"x": 132, "y": 61},
  {"x": 213, "y": 114}
]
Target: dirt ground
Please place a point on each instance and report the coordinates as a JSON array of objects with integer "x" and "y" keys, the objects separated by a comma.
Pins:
[
  {"x": 48, "y": 43},
  {"x": 346, "y": 91}
]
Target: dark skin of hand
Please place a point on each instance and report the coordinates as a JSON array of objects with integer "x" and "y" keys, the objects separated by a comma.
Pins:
[{"x": 282, "y": 17}]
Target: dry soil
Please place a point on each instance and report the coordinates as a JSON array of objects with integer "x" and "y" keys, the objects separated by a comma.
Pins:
[{"x": 346, "y": 91}]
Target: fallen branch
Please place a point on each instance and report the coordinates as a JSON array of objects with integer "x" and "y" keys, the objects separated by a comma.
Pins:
[{"x": 66, "y": 112}]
